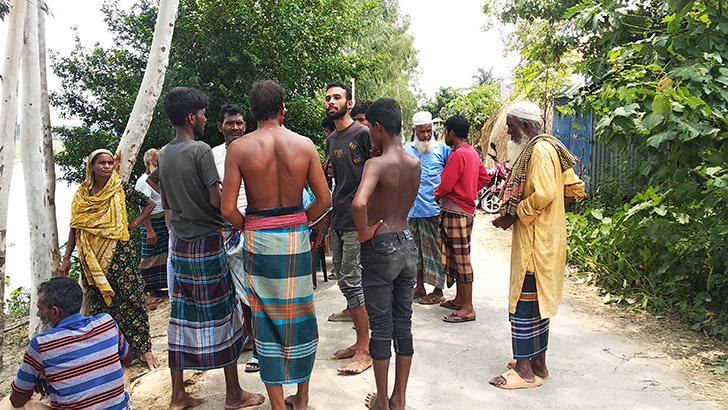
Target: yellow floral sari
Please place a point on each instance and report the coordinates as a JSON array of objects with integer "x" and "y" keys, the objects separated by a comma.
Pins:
[{"x": 100, "y": 221}]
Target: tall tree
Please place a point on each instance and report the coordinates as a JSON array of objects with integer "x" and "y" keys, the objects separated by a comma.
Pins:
[
  {"x": 220, "y": 47},
  {"x": 150, "y": 90},
  {"x": 31, "y": 154},
  {"x": 49, "y": 165},
  {"x": 8, "y": 121}
]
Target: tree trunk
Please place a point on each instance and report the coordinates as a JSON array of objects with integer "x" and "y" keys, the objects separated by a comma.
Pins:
[
  {"x": 149, "y": 91},
  {"x": 49, "y": 164},
  {"x": 31, "y": 154},
  {"x": 8, "y": 118}
]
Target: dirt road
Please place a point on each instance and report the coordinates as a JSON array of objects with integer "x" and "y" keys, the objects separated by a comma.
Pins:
[{"x": 599, "y": 356}]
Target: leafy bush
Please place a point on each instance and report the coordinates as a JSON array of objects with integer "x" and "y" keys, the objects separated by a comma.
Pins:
[
  {"x": 666, "y": 249},
  {"x": 18, "y": 304}
]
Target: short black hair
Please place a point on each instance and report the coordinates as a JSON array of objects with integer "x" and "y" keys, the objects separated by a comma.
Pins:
[
  {"x": 340, "y": 85},
  {"x": 459, "y": 125},
  {"x": 181, "y": 101},
  {"x": 266, "y": 99},
  {"x": 386, "y": 112},
  {"x": 360, "y": 107},
  {"x": 328, "y": 124},
  {"x": 62, "y": 292},
  {"x": 231, "y": 110}
]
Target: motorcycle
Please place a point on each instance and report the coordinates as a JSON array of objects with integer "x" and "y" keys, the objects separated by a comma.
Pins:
[{"x": 488, "y": 198}]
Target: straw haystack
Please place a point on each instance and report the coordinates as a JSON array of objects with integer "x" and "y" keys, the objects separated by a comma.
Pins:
[{"x": 495, "y": 131}]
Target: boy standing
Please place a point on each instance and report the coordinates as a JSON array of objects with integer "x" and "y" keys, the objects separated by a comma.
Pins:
[{"x": 388, "y": 188}]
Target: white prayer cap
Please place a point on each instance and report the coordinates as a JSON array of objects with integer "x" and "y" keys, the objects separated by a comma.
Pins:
[
  {"x": 525, "y": 110},
  {"x": 422, "y": 118}
]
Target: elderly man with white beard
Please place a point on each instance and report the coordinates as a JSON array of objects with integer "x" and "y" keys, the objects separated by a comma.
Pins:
[
  {"x": 541, "y": 183},
  {"x": 424, "y": 216}
]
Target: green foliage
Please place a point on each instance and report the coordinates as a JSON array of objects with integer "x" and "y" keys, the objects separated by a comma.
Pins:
[
  {"x": 222, "y": 48},
  {"x": 18, "y": 304},
  {"x": 476, "y": 104},
  {"x": 658, "y": 78}
]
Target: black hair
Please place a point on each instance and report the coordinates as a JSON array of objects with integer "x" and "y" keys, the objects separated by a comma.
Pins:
[
  {"x": 328, "y": 124},
  {"x": 459, "y": 125},
  {"x": 231, "y": 110},
  {"x": 386, "y": 112},
  {"x": 340, "y": 85},
  {"x": 266, "y": 99},
  {"x": 62, "y": 292},
  {"x": 360, "y": 107},
  {"x": 182, "y": 101}
]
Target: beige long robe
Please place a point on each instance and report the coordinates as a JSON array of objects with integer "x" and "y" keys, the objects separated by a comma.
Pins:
[{"x": 539, "y": 235}]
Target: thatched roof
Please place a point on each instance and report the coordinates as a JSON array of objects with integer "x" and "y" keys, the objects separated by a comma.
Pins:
[{"x": 496, "y": 131}]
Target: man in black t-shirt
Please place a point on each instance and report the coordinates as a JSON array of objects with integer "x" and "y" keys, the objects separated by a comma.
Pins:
[{"x": 348, "y": 148}]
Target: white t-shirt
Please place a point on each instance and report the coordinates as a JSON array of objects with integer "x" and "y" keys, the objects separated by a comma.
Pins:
[
  {"x": 142, "y": 186},
  {"x": 219, "y": 153}
]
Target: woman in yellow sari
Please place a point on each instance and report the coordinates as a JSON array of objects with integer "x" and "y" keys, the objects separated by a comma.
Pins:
[{"x": 100, "y": 229}]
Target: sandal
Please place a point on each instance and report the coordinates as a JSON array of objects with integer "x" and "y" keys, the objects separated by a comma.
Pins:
[
  {"x": 450, "y": 305},
  {"x": 252, "y": 365},
  {"x": 431, "y": 299}
]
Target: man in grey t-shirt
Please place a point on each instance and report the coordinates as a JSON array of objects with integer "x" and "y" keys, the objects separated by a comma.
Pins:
[{"x": 206, "y": 323}]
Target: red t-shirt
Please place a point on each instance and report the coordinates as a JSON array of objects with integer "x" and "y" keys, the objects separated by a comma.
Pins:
[{"x": 464, "y": 175}]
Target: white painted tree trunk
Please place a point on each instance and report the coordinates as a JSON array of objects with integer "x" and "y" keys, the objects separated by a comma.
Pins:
[
  {"x": 8, "y": 118},
  {"x": 31, "y": 154},
  {"x": 150, "y": 90},
  {"x": 48, "y": 163}
]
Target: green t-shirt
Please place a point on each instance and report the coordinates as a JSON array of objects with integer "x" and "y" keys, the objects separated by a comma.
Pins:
[{"x": 186, "y": 172}]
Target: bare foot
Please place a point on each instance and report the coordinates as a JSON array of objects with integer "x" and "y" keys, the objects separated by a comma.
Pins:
[
  {"x": 360, "y": 362},
  {"x": 149, "y": 359},
  {"x": 296, "y": 402},
  {"x": 372, "y": 403},
  {"x": 245, "y": 400},
  {"x": 393, "y": 405},
  {"x": 543, "y": 373},
  {"x": 184, "y": 402},
  {"x": 344, "y": 353}
]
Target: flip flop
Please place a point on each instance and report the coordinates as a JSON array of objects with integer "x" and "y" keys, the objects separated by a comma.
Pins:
[
  {"x": 512, "y": 365},
  {"x": 457, "y": 317},
  {"x": 431, "y": 299},
  {"x": 514, "y": 381},
  {"x": 450, "y": 305},
  {"x": 340, "y": 317},
  {"x": 416, "y": 295},
  {"x": 252, "y": 365}
]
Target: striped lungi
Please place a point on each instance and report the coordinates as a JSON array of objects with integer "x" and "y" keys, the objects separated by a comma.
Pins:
[
  {"x": 153, "y": 265},
  {"x": 429, "y": 253},
  {"x": 234, "y": 244},
  {"x": 277, "y": 261},
  {"x": 529, "y": 333},
  {"x": 455, "y": 233},
  {"x": 206, "y": 322}
]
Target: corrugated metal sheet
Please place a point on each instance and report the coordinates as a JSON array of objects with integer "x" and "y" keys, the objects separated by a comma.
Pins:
[{"x": 598, "y": 164}]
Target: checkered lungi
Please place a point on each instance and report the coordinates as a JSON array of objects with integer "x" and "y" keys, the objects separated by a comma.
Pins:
[
  {"x": 429, "y": 253},
  {"x": 529, "y": 333},
  {"x": 206, "y": 322},
  {"x": 279, "y": 284},
  {"x": 153, "y": 265},
  {"x": 455, "y": 233}
]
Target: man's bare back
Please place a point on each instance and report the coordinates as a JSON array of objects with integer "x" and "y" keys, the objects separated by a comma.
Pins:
[
  {"x": 276, "y": 164},
  {"x": 397, "y": 186}
]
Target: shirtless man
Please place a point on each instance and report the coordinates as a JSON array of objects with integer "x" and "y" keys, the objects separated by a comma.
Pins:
[
  {"x": 276, "y": 164},
  {"x": 388, "y": 188}
]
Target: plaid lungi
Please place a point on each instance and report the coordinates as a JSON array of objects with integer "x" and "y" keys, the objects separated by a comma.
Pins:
[
  {"x": 529, "y": 333},
  {"x": 455, "y": 233},
  {"x": 206, "y": 322},
  {"x": 234, "y": 244},
  {"x": 429, "y": 254},
  {"x": 277, "y": 262},
  {"x": 153, "y": 265}
]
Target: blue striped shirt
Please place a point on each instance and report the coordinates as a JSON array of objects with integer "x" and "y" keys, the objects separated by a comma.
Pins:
[{"x": 81, "y": 360}]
